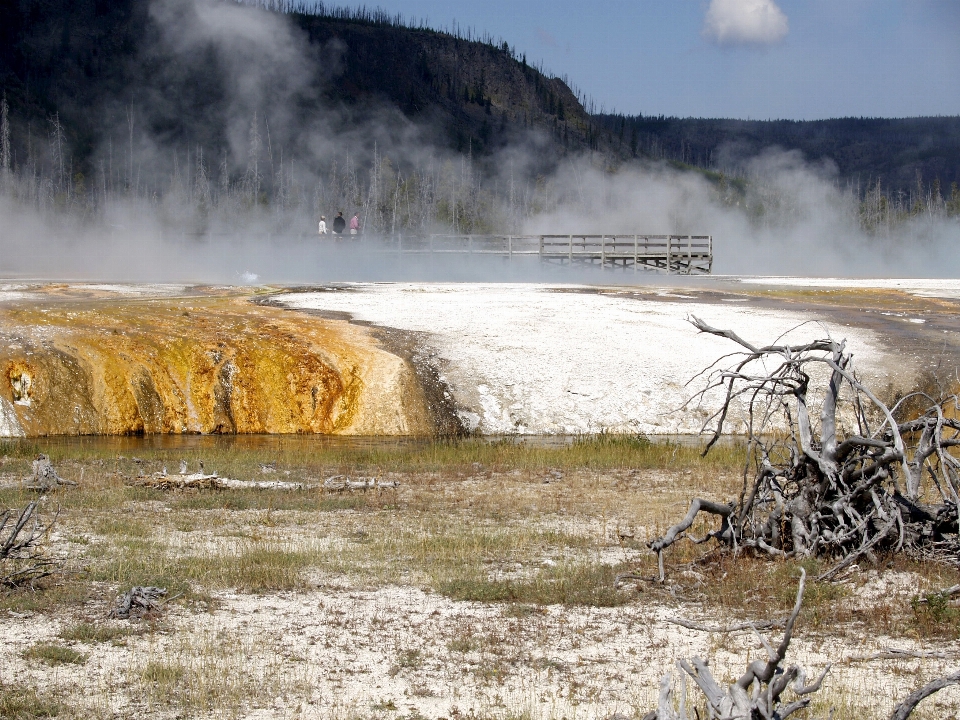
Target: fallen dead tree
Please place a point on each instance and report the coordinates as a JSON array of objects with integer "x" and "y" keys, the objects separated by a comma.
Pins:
[
  {"x": 162, "y": 481},
  {"x": 22, "y": 558},
  {"x": 835, "y": 473},
  {"x": 202, "y": 481},
  {"x": 341, "y": 483}
]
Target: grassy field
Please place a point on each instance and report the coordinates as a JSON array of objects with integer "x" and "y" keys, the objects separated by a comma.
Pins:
[{"x": 503, "y": 548}]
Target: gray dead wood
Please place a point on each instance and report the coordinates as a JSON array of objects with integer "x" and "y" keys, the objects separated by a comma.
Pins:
[
  {"x": 909, "y": 704},
  {"x": 757, "y": 693},
  {"x": 758, "y": 626},
  {"x": 901, "y": 654},
  {"x": 835, "y": 473},
  {"x": 22, "y": 558},
  {"x": 163, "y": 481},
  {"x": 138, "y": 602},
  {"x": 341, "y": 483},
  {"x": 44, "y": 477}
]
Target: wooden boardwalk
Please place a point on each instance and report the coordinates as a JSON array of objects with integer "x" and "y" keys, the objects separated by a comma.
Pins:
[{"x": 680, "y": 254}]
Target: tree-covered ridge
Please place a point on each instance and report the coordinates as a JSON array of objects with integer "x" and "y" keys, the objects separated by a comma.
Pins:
[
  {"x": 210, "y": 112},
  {"x": 863, "y": 151},
  {"x": 89, "y": 62}
]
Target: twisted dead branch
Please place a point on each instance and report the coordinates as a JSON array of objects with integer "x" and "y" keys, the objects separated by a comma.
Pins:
[
  {"x": 756, "y": 694},
  {"x": 909, "y": 704},
  {"x": 22, "y": 559},
  {"x": 849, "y": 481}
]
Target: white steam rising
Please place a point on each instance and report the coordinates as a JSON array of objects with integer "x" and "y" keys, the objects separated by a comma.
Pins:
[{"x": 182, "y": 220}]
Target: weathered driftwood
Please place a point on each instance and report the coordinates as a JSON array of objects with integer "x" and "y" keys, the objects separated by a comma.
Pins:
[
  {"x": 44, "y": 477},
  {"x": 849, "y": 481},
  {"x": 22, "y": 559},
  {"x": 162, "y": 481},
  {"x": 757, "y": 626},
  {"x": 138, "y": 602},
  {"x": 756, "y": 694},
  {"x": 903, "y": 654},
  {"x": 909, "y": 704},
  {"x": 340, "y": 483}
]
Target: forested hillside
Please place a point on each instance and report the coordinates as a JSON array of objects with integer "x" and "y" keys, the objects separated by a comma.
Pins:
[
  {"x": 93, "y": 62},
  {"x": 894, "y": 152},
  {"x": 211, "y": 112}
]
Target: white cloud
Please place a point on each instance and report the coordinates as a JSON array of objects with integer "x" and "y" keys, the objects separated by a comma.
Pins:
[{"x": 750, "y": 22}]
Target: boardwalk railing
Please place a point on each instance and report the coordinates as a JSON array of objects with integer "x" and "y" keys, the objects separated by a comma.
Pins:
[{"x": 683, "y": 254}]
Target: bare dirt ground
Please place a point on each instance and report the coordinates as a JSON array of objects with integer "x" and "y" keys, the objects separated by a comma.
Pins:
[{"x": 471, "y": 591}]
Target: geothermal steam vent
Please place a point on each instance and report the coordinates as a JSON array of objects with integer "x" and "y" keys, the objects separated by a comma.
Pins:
[{"x": 197, "y": 365}]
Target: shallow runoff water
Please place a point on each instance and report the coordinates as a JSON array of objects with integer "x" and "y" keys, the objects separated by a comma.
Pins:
[{"x": 302, "y": 443}]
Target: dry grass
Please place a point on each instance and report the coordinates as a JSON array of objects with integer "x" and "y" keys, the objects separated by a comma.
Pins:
[
  {"x": 25, "y": 703},
  {"x": 54, "y": 654},
  {"x": 213, "y": 672},
  {"x": 513, "y": 525}
]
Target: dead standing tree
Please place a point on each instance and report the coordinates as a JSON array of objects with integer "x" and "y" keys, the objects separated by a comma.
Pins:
[{"x": 859, "y": 479}]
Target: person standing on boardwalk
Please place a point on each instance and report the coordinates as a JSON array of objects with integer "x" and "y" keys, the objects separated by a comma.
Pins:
[
  {"x": 355, "y": 224},
  {"x": 323, "y": 225},
  {"x": 339, "y": 223}
]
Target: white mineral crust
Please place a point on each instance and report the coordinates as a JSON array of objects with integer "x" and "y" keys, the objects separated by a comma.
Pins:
[{"x": 538, "y": 359}]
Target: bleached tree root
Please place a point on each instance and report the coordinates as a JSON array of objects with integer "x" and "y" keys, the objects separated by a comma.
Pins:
[{"x": 851, "y": 481}]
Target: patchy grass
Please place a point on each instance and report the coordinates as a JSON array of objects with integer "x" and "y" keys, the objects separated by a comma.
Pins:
[
  {"x": 247, "y": 566},
  {"x": 54, "y": 654},
  {"x": 511, "y": 524},
  {"x": 46, "y": 596},
  {"x": 935, "y": 616},
  {"x": 241, "y": 457},
  {"x": 95, "y": 633},
  {"x": 568, "y": 584},
  {"x": 23, "y": 703},
  {"x": 218, "y": 673}
]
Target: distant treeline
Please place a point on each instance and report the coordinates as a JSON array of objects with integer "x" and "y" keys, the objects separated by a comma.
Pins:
[
  {"x": 416, "y": 128},
  {"x": 896, "y": 153}
]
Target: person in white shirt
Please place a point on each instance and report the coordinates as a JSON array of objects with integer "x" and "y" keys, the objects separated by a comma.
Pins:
[{"x": 323, "y": 225}]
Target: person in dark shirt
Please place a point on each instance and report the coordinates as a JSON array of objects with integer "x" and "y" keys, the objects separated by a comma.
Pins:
[{"x": 339, "y": 223}]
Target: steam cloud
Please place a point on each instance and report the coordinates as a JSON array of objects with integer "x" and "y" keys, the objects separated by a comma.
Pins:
[
  {"x": 790, "y": 218},
  {"x": 750, "y": 22}
]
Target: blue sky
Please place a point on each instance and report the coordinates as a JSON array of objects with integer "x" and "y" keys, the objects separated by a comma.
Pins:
[{"x": 760, "y": 59}]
